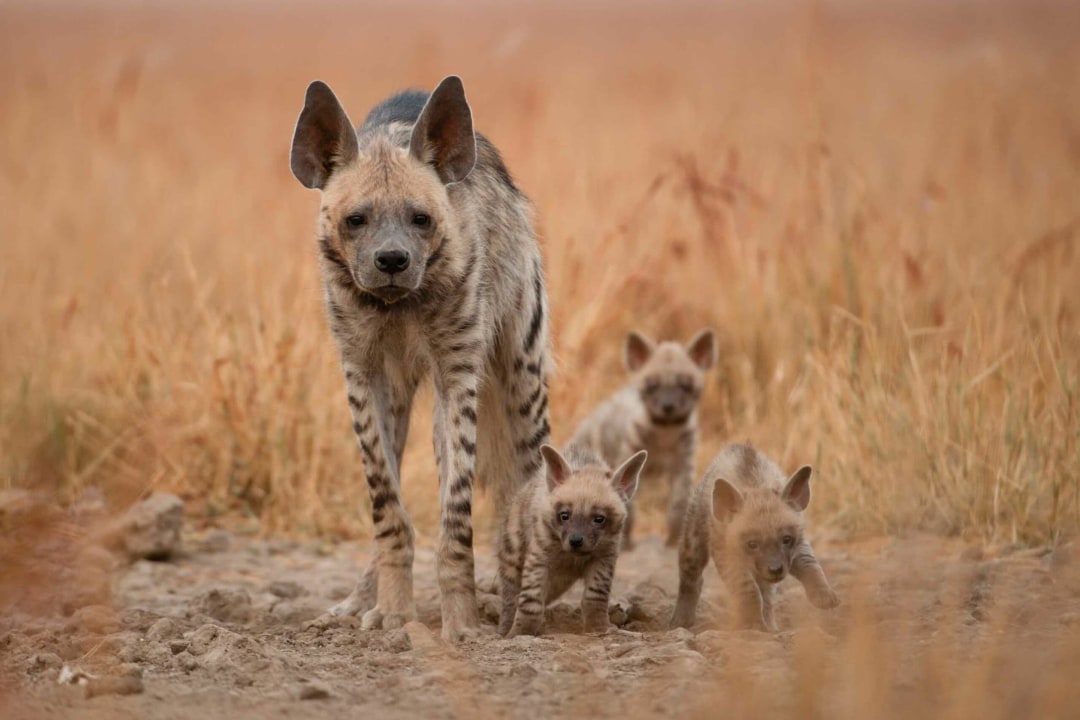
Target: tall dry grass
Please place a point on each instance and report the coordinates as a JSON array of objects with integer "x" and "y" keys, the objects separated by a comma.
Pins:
[{"x": 877, "y": 207}]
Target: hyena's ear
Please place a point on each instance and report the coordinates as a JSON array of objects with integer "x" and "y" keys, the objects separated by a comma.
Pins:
[
  {"x": 625, "y": 477},
  {"x": 726, "y": 499},
  {"x": 324, "y": 139},
  {"x": 558, "y": 470},
  {"x": 797, "y": 491},
  {"x": 443, "y": 135},
  {"x": 702, "y": 349},
  {"x": 638, "y": 350}
]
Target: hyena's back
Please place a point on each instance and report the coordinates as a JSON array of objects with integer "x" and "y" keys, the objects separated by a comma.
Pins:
[{"x": 745, "y": 468}]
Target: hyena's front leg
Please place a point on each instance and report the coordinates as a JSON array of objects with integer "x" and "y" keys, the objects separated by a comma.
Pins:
[
  {"x": 693, "y": 557},
  {"x": 455, "y": 453},
  {"x": 594, "y": 601},
  {"x": 748, "y": 606},
  {"x": 529, "y": 619},
  {"x": 807, "y": 570},
  {"x": 390, "y": 572}
]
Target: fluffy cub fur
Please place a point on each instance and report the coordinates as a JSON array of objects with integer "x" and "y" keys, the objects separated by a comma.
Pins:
[
  {"x": 561, "y": 529},
  {"x": 748, "y": 517}
]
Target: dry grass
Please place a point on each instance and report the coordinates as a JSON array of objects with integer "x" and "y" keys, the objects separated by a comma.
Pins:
[{"x": 877, "y": 209}]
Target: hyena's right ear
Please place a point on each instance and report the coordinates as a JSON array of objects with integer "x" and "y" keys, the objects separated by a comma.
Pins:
[
  {"x": 638, "y": 350},
  {"x": 702, "y": 349},
  {"x": 625, "y": 478},
  {"x": 324, "y": 139},
  {"x": 443, "y": 135},
  {"x": 796, "y": 492},
  {"x": 726, "y": 499},
  {"x": 558, "y": 470}
]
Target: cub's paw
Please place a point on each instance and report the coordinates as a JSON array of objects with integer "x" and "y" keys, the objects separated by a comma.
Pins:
[
  {"x": 526, "y": 626},
  {"x": 352, "y": 605},
  {"x": 824, "y": 598}
]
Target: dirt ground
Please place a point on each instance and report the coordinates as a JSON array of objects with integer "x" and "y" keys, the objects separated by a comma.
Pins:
[{"x": 234, "y": 628}]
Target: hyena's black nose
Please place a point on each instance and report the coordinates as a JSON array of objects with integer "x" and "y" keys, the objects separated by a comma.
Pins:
[
  {"x": 391, "y": 261},
  {"x": 776, "y": 569},
  {"x": 576, "y": 541}
]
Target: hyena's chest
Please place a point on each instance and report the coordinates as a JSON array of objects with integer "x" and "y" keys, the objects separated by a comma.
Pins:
[{"x": 668, "y": 447}]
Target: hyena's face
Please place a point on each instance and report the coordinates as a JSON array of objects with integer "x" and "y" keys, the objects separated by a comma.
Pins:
[
  {"x": 586, "y": 508},
  {"x": 386, "y": 215},
  {"x": 386, "y": 209},
  {"x": 763, "y": 526},
  {"x": 669, "y": 376}
]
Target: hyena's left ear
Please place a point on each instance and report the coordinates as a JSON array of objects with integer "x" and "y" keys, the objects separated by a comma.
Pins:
[
  {"x": 625, "y": 477},
  {"x": 702, "y": 349},
  {"x": 443, "y": 135},
  {"x": 797, "y": 491},
  {"x": 324, "y": 139},
  {"x": 558, "y": 470}
]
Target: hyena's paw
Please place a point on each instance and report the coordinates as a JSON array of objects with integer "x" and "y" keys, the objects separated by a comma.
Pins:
[
  {"x": 824, "y": 598},
  {"x": 460, "y": 617},
  {"x": 682, "y": 618},
  {"x": 355, "y": 604},
  {"x": 376, "y": 619},
  {"x": 526, "y": 625},
  {"x": 598, "y": 626}
]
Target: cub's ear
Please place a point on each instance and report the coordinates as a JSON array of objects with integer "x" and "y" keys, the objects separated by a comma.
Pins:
[
  {"x": 324, "y": 139},
  {"x": 558, "y": 470},
  {"x": 443, "y": 134},
  {"x": 625, "y": 478},
  {"x": 797, "y": 491},
  {"x": 702, "y": 349},
  {"x": 726, "y": 499},
  {"x": 638, "y": 351}
]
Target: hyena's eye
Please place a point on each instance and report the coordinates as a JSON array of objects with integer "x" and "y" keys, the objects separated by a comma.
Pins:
[
  {"x": 752, "y": 544},
  {"x": 356, "y": 220},
  {"x": 599, "y": 519},
  {"x": 421, "y": 220},
  {"x": 787, "y": 540},
  {"x": 564, "y": 515},
  {"x": 651, "y": 385}
]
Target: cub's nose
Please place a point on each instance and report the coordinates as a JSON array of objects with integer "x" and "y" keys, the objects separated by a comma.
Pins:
[
  {"x": 576, "y": 541},
  {"x": 776, "y": 570},
  {"x": 667, "y": 406},
  {"x": 391, "y": 261}
]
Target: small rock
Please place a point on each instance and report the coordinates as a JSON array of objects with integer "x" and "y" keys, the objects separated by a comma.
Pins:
[
  {"x": 287, "y": 589},
  {"x": 163, "y": 629},
  {"x": 419, "y": 636},
  {"x": 187, "y": 661},
  {"x": 217, "y": 541},
  {"x": 122, "y": 685},
  {"x": 619, "y": 612},
  {"x": 44, "y": 661},
  {"x": 151, "y": 528},
  {"x": 490, "y": 607},
  {"x": 178, "y": 646},
  {"x": 97, "y": 619},
  {"x": 314, "y": 690},
  {"x": 225, "y": 605}
]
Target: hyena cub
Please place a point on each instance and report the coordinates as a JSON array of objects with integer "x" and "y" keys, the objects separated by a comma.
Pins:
[
  {"x": 656, "y": 412},
  {"x": 749, "y": 517},
  {"x": 560, "y": 530}
]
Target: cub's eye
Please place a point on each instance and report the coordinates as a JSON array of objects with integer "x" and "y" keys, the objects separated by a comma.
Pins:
[
  {"x": 564, "y": 515},
  {"x": 356, "y": 220},
  {"x": 752, "y": 544},
  {"x": 421, "y": 220},
  {"x": 599, "y": 519},
  {"x": 651, "y": 385},
  {"x": 686, "y": 386},
  {"x": 787, "y": 540}
]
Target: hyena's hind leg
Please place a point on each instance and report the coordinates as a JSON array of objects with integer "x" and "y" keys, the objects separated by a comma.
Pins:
[{"x": 365, "y": 594}]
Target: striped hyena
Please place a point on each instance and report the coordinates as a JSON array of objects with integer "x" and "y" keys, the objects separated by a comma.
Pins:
[
  {"x": 430, "y": 265},
  {"x": 657, "y": 412},
  {"x": 749, "y": 518},
  {"x": 560, "y": 531}
]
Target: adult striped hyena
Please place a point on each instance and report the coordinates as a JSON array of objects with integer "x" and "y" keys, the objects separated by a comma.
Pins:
[
  {"x": 430, "y": 265},
  {"x": 749, "y": 517},
  {"x": 562, "y": 530},
  {"x": 657, "y": 412}
]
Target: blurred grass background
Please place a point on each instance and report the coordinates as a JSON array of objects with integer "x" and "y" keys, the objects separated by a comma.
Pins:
[{"x": 875, "y": 205}]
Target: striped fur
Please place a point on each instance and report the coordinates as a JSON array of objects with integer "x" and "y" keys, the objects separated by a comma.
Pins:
[
  {"x": 557, "y": 531},
  {"x": 748, "y": 517},
  {"x": 469, "y": 310},
  {"x": 657, "y": 412}
]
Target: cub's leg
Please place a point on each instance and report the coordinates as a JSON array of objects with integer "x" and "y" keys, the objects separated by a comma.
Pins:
[
  {"x": 594, "y": 601},
  {"x": 747, "y": 603},
  {"x": 529, "y": 619},
  {"x": 807, "y": 570}
]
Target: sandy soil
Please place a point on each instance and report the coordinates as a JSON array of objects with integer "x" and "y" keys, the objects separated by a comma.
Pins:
[{"x": 234, "y": 628}]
